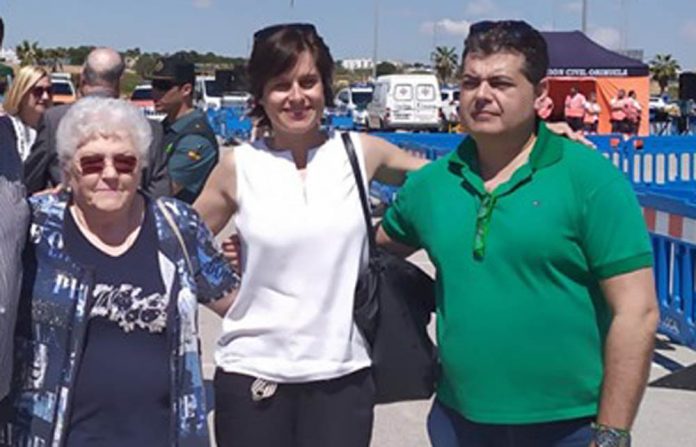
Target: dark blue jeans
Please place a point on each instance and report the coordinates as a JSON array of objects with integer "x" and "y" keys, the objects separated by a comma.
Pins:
[{"x": 448, "y": 428}]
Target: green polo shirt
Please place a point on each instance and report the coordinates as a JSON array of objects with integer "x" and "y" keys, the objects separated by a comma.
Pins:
[{"x": 521, "y": 319}]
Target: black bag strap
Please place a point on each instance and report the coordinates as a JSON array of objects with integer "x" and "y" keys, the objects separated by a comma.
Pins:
[{"x": 353, "y": 158}]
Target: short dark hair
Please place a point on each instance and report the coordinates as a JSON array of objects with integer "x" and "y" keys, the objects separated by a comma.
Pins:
[
  {"x": 517, "y": 36},
  {"x": 276, "y": 50}
]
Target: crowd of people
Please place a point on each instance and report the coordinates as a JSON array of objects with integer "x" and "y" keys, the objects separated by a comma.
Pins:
[
  {"x": 582, "y": 112},
  {"x": 116, "y": 245}
]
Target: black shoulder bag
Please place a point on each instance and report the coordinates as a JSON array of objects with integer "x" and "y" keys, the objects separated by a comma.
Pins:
[{"x": 394, "y": 300}]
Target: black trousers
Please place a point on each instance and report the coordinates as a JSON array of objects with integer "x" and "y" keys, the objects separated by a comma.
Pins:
[{"x": 335, "y": 413}]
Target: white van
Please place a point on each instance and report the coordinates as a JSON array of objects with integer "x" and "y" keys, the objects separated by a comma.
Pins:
[
  {"x": 206, "y": 93},
  {"x": 405, "y": 101},
  {"x": 355, "y": 99}
]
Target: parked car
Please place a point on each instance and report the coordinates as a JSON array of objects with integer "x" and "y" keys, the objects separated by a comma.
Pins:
[
  {"x": 405, "y": 101},
  {"x": 355, "y": 99},
  {"x": 657, "y": 103},
  {"x": 142, "y": 97},
  {"x": 63, "y": 89}
]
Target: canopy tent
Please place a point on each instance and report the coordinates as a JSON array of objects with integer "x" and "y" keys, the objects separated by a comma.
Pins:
[{"x": 577, "y": 61}]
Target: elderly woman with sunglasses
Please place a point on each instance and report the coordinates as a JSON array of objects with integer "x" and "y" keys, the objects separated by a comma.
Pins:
[
  {"x": 27, "y": 99},
  {"x": 106, "y": 345},
  {"x": 293, "y": 369}
]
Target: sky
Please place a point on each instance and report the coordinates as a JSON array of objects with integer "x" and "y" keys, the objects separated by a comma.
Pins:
[{"x": 408, "y": 30}]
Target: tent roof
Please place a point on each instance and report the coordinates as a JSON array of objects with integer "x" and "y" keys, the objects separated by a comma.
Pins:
[{"x": 572, "y": 53}]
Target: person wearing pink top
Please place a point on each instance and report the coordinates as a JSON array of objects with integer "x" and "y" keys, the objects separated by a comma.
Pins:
[
  {"x": 574, "y": 108},
  {"x": 633, "y": 111},
  {"x": 544, "y": 108},
  {"x": 618, "y": 112},
  {"x": 592, "y": 110}
]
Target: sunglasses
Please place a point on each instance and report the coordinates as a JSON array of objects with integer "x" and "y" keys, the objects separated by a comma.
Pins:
[
  {"x": 163, "y": 84},
  {"x": 267, "y": 32},
  {"x": 38, "y": 92},
  {"x": 95, "y": 164}
]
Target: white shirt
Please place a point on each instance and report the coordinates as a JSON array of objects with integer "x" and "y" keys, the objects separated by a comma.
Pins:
[
  {"x": 25, "y": 137},
  {"x": 303, "y": 244}
]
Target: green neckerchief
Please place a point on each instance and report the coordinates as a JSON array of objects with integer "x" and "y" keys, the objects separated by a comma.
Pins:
[{"x": 464, "y": 162}]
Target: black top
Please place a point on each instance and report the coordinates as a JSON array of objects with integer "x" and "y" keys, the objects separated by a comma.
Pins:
[
  {"x": 10, "y": 161},
  {"x": 121, "y": 395}
]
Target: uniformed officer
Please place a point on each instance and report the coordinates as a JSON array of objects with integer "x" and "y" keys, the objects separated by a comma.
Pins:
[{"x": 188, "y": 139}]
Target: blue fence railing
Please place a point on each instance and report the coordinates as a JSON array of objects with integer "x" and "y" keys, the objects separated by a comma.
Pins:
[{"x": 663, "y": 173}]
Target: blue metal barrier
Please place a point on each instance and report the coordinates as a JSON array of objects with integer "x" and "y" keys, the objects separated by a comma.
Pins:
[
  {"x": 341, "y": 122},
  {"x": 661, "y": 161},
  {"x": 675, "y": 256}
]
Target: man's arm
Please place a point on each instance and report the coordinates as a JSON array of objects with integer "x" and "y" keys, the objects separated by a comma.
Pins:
[
  {"x": 629, "y": 345},
  {"x": 191, "y": 162},
  {"x": 386, "y": 242}
]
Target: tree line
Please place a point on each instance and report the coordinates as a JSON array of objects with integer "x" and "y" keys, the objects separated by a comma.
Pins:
[{"x": 663, "y": 67}]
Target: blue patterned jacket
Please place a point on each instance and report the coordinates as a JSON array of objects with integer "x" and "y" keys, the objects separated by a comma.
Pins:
[{"x": 53, "y": 319}]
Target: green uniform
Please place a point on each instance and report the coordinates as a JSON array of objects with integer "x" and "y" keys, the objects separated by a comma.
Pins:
[
  {"x": 521, "y": 319},
  {"x": 193, "y": 153}
]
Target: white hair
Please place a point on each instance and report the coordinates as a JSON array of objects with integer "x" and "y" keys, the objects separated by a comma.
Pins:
[{"x": 94, "y": 117}]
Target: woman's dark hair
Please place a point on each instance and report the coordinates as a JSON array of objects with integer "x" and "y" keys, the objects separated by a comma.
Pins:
[
  {"x": 276, "y": 50},
  {"x": 491, "y": 37}
]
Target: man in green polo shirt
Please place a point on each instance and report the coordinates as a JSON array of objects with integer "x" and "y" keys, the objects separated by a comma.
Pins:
[
  {"x": 189, "y": 141},
  {"x": 546, "y": 311}
]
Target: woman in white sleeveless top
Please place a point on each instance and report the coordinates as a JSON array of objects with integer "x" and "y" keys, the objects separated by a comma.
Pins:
[{"x": 293, "y": 369}]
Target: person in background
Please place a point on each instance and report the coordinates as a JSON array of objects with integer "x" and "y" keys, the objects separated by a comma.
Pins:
[
  {"x": 618, "y": 112},
  {"x": 592, "y": 111},
  {"x": 100, "y": 77},
  {"x": 106, "y": 348},
  {"x": 544, "y": 107},
  {"x": 633, "y": 113},
  {"x": 14, "y": 220},
  {"x": 189, "y": 143},
  {"x": 27, "y": 99},
  {"x": 542, "y": 239},
  {"x": 574, "y": 109}
]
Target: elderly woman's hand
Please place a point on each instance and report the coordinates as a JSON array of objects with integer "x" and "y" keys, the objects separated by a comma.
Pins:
[{"x": 562, "y": 128}]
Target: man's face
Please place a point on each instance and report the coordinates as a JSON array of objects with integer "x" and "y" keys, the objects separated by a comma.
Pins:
[
  {"x": 168, "y": 96},
  {"x": 496, "y": 97}
]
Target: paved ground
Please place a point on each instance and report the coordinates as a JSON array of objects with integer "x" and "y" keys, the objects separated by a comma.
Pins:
[{"x": 667, "y": 417}]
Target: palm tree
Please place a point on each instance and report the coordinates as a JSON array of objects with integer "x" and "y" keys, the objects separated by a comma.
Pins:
[
  {"x": 664, "y": 69},
  {"x": 29, "y": 53},
  {"x": 445, "y": 60}
]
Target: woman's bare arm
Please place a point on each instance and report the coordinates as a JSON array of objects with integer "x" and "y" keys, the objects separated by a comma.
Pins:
[
  {"x": 217, "y": 202},
  {"x": 386, "y": 162}
]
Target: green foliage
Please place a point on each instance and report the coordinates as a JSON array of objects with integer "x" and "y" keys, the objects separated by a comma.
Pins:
[
  {"x": 386, "y": 68},
  {"x": 129, "y": 81},
  {"x": 445, "y": 61},
  {"x": 664, "y": 69},
  {"x": 29, "y": 53}
]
